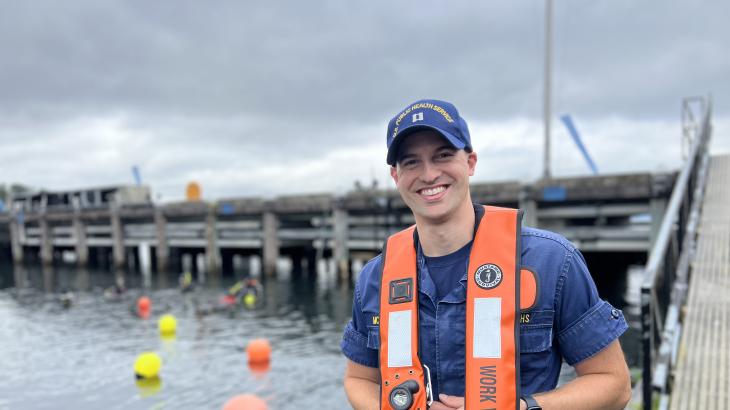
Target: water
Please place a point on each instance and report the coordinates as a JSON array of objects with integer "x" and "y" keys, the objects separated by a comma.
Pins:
[{"x": 82, "y": 357}]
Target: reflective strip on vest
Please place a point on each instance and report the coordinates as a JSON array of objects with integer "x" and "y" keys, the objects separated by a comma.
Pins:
[
  {"x": 400, "y": 353},
  {"x": 492, "y": 315}
]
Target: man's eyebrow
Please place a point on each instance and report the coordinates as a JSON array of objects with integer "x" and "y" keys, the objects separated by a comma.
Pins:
[{"x": 411, "y": 155}]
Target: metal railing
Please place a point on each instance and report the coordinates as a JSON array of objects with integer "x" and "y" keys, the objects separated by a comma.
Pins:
[{"x": 666, "y": 275}]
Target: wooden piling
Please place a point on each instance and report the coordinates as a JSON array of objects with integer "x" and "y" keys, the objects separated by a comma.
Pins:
[
  {"x": 81, "y": 246},
  {"x": 271, "y": 242},
  {"x": 46, "y": 244},
  {"x": 341, "y": 234},
  {"x": 212, "y": 252},
  {"x": 117, "y": 237},
  {"x": 16, "y": 247},
  {"x": 162, "y": 251}
]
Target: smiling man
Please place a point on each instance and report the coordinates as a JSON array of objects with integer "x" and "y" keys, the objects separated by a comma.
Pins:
[{"x": 468, "y": 309}]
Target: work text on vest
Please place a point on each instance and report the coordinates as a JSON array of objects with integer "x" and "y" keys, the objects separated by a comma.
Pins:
[{"x": 488, "y": 385}]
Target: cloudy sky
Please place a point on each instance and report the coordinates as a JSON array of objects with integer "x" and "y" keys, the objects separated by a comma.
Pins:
[{"x": 271, "y": 98}]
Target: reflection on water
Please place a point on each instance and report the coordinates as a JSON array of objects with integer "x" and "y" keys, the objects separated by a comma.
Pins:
[{"x": 67, "y": 345}]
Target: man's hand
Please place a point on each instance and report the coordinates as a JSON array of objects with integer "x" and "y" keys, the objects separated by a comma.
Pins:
[{"x": 448, "y": 403}]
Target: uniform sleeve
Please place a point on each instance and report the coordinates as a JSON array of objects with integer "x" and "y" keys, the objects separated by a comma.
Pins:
[
  {"x": 355, "y": 337},
  {"x": 586, "y": 323}
]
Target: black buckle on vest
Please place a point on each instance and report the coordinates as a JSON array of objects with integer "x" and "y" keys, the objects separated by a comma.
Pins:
[
  {"x": 401, "y": 291},
  {"x": 427, "y": 382}
]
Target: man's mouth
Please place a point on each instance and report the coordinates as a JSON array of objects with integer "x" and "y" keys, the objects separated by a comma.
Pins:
[{"x": 432, "y": 192}]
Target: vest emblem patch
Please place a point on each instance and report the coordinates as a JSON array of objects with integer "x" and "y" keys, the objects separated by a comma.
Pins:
[{"x": 488, "y": 276}]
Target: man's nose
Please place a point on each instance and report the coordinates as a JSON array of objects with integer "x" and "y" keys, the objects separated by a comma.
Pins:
[{"x": 431, "y": 172}]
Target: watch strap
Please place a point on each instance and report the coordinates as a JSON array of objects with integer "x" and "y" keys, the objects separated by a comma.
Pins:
[{"x": 531, "y": 402}]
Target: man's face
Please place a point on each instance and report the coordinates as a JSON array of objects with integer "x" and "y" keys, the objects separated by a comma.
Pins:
[{"x": 432, "y": 176}]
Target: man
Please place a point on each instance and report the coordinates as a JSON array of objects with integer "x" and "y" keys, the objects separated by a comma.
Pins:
[{"x": 431, "y": 159}]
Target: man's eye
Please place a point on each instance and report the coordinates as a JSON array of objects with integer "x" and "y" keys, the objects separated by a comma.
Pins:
[{"x": 445, "y": 155}]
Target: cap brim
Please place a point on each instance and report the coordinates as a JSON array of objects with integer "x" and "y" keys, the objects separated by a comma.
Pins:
[{"x": 393, "y": 149}]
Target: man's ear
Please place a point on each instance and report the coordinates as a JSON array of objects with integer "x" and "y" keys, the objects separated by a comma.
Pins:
[
  {"x": 471, "y": 159},
  {"x": 394, "y": 174}
]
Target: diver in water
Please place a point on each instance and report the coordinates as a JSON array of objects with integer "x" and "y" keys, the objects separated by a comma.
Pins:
[
  {"x": 116, "y": 291},
  {"x": 243, "y": 292},
  {"x": 66, "y": 298},
  {"x": 244, "y": 287},
  {"x": 186, "y": 282}
]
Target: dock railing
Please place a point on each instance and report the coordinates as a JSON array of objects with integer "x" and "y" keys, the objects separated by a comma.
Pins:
[{"x": 666, "y": 275}]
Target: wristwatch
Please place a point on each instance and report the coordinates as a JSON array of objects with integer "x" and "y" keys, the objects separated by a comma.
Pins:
[{"x": 531, "y": 402}]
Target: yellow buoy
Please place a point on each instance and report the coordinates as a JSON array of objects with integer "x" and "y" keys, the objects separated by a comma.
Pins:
[
  {"x": 167, "y": 324},
  {"x": 249, "y": 299},
  {"x": 147, "y": 365}
]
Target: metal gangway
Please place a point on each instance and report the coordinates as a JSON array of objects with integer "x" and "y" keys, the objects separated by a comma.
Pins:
[{"x": 684, "y": 308}]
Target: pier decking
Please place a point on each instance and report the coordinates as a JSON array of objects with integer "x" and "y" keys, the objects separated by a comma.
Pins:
[{"x": 702, "y": 378}]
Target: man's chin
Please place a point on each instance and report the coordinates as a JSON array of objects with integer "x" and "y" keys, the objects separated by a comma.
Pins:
[{"x": 433, "y": 214}]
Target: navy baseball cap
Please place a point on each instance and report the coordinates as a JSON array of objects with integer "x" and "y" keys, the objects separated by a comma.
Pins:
[{"x": 436, "y": 115}]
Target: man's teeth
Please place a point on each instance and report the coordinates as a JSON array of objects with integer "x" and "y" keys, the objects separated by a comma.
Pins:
[{"x": 433, "y": 191}]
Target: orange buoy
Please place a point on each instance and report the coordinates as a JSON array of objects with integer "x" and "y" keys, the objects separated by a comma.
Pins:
[
  {"x": 144, "y": 304},
  {"x": 192, "y": 191},
  {"x": 259, "y": 351},
  {"x": 245, "y": 402}
]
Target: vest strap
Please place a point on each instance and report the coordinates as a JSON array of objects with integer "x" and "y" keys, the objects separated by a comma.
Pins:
[
  {"x": 492, "y": 312},
  {"x": 405, "y": 382}
]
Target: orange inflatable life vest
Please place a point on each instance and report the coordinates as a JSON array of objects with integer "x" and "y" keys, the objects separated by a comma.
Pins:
[{"x": 494, "y": 299}]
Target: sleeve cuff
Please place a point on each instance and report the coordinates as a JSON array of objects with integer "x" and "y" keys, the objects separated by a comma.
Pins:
[
  {"x": 595, "y": 330},
  {"x": 354, "y": 346}
]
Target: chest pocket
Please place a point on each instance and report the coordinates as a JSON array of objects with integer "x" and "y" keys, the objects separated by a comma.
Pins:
[
  {"x": 373, "y": 337},
  {"x": 536, "y": 342}
]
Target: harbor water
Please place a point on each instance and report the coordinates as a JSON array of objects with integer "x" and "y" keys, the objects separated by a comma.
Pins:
[{"x": 80, "y": 355}]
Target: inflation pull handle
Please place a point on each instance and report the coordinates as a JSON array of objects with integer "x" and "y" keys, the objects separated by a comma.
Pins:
[{"x": 401, "y": 397}]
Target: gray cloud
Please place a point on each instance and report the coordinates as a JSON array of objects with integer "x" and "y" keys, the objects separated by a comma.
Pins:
[{"x": 258, "y": 91}]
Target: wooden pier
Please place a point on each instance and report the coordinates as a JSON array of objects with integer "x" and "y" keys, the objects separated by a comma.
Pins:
[
  {"x": 606, "y": 213},
  {"x": 702, "y": 377},
  {"x": 684, "y": 292}
]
